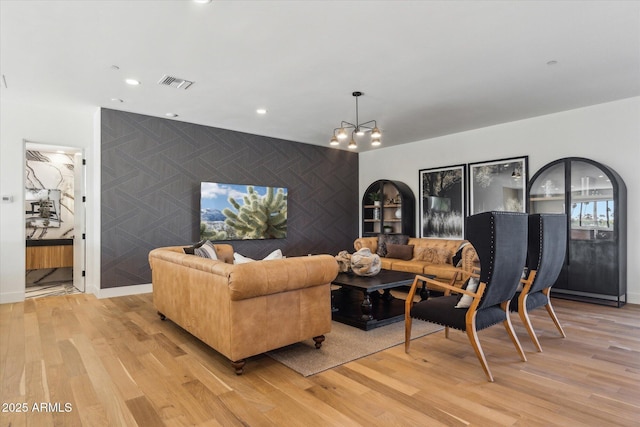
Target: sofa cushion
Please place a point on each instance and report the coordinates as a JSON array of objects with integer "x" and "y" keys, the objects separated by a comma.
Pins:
[
  {"x": 432, "y": 255},
  {"x": 189, "y": 250},
  {"x": 442, "y": 272},
  {"x": 396, "y": 239},
  {"x": 277, "y": 254},
  {"x": 207, "y": 250},
  {"x": 404, "y": 252},
  {"x": 457, "y": 257},
  {"x": 241, "y": 259},
  {"x": 471, "y": 286},
  {"x": 387, "y": 263},
  {"x": 410, "y": 266}
]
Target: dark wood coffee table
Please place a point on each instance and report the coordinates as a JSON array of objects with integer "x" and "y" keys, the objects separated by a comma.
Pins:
[{"x": 359, "y": 302}]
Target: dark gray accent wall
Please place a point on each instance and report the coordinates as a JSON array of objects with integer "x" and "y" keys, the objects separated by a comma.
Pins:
[{"x": 151, "y": 174}]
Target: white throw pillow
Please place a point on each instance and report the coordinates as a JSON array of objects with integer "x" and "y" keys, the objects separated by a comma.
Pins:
[
  {"x": 466, "y": 300},
  {"x": 241, "y": 259},
  {"x": 277, "y": 254}
]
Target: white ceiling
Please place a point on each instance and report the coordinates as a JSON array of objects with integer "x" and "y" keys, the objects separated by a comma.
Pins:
[{"x": 427, "y": 68}]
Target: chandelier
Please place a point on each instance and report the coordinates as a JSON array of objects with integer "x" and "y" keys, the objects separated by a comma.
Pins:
[{"x": 358, "y": 128}]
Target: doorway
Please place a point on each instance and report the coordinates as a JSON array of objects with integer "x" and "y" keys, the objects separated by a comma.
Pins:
[{"x": 54, "y": 219}]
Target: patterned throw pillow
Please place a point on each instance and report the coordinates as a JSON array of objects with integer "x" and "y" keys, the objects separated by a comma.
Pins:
[
  {"x": 432, "y": 255},
  {"x": 457, "y": 258},
  {"x": 189, "y": 250},
  {"x": 206, "y": 251},
  {"x": 395, "y": 239}
]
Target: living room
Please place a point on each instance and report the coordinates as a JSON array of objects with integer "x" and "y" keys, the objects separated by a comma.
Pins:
[
  {"x": 602, "y": 132},
  {"x": 331, "y": 182}
]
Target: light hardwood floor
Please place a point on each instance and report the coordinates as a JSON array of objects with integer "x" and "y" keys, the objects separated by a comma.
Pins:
[{"x": 114, "y": 363}]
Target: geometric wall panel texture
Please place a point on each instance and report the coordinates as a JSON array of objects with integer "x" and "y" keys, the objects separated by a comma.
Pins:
[{"x": 150, "y": 190}]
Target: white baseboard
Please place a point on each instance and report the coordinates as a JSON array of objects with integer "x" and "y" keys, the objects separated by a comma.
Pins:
[
  {"x": 9, "y": 297},
  {"x": 122, "y": 291}
]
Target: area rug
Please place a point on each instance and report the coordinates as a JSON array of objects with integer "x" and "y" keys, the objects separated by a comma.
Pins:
[{"x": 345, "y": 343}]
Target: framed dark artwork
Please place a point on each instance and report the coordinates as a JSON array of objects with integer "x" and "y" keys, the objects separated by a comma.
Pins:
[
  {"x": 442, "y": 202},
  {"x": 498, "y": 185},
  {"x": 242, "y": 212}
]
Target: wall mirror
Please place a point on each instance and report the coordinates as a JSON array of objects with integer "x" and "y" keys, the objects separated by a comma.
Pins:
[{"x": 42, "y": 207}]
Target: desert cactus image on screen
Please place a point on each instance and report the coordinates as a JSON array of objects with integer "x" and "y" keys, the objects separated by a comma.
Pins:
[{"x": 236, "y": 212}]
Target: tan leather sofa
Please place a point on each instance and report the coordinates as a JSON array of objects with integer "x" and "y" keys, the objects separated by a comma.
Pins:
[
  {"x": 245, "y": 309},
  {"x": 423, "y": 260}
]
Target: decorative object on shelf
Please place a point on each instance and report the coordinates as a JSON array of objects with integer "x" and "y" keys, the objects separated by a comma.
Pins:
[
  {"x": 398, "y": 213},
  {"x": 375, "y": 198},
  {"x": 358, "y": 128},
  {"x": 387, "y": 229},
  {"x": 498, "y": 185},
  {"x": 549, "y": 188},
  {"x": 442, "y": 202}
]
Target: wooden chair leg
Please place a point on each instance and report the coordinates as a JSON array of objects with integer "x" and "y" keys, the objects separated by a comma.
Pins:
[
  {"x": 524, "y": 316},
  {"x": 552, "y": 313},
  {"x": 446, "y": 332},
  {"x": 475, "y": 343},
  {"x": 512, "y": 334},
  {"x": 407, "y": 333}
]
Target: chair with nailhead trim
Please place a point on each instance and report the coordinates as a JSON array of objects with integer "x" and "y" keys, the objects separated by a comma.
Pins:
[
  {"x": 545, "y": 258},
  {"x": 500, "y": 240}
]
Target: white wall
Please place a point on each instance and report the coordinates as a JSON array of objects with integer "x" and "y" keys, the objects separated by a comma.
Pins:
[
  {"x": 69, "y": 128},
  {"x": 608, "y": 133}
]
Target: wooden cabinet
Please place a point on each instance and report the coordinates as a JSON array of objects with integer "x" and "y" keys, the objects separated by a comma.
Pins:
[
  {"x": 56, "y": 253},
  {"x": 393, "y": 213},
  {"x": 594, "y": 198}
]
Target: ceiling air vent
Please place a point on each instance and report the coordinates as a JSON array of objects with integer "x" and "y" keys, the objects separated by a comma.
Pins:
[{"x": 176, "y": 82}]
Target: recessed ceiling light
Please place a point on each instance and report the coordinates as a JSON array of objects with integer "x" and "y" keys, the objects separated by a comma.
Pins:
[
  {"x": 552, "y": 62},
  {"x": 117, "y": 100},
  {"x": 132, "y": 82},
  {"x": 261, "y": 111},
  {"x": 172, "y": 115},
  {"x": 115, "y": 67}
]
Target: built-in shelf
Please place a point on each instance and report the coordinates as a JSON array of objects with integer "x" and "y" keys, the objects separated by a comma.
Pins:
[
  {"x": 545, "y": 199},
  {"x": 396, "y": 209}
]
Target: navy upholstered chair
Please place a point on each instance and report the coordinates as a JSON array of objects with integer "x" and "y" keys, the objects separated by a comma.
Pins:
[
  {"x": 500, "y": 239},
  {"x": 547, "y": 247}
]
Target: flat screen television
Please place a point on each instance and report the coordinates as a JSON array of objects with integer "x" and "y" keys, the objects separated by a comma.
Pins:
[{"x": 242, "y": 212}]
